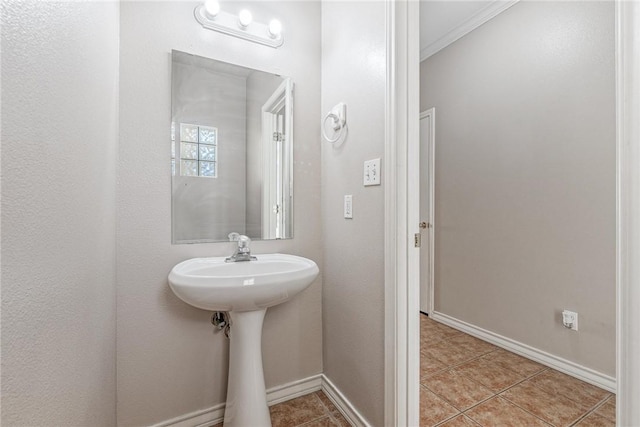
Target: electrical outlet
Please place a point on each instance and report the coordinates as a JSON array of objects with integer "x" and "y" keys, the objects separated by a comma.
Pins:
[
  {"x": 371, "y": 172},
  {"x": 570, "y": 319},
  {"x": 348, "y": 206}
]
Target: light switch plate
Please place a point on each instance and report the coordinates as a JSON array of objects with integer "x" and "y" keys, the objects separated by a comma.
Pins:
[
  {"x": 371, "y": 172},
  {"x": 348, "y": 206}
]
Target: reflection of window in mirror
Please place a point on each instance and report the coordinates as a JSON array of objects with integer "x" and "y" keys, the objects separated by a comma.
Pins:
[{"x": 198, "y": 150}]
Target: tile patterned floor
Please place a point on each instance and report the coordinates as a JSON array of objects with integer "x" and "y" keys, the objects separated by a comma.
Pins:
[
  {"x": 467, "y": 382},
  {"x": 311, "y": 410}
]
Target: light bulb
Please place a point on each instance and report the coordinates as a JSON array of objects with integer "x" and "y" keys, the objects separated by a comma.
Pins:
[
  {"x": 212, "y": 8},
  {"x": 244, "y": 18},
  {"x": 275, "y": 28}
]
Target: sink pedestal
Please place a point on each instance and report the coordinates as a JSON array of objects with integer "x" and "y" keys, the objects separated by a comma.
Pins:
[{"x": 246, "y": 393}]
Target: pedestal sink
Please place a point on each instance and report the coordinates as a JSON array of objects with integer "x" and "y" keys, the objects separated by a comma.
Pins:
[{"x": 245, "y": 290}]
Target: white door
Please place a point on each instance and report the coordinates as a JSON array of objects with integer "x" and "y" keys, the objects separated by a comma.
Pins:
[{"x": 427, "y": 132}]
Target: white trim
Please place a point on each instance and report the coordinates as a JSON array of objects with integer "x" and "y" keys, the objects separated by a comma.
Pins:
[
  {"x": 392, "y": 238},
  {"x": 277, "y": 188},
  {"x": 275, "y": 395},
  {"x": 481, "y": 17},
  {"x": 345, "y": 407},
  {"x": 431, "y": 231},
  {"x": 402, "y": 349},
  {"x": 583, "y": 373},
  {"x": 209, "y": 416},
  {"x": 294, "y": 389},
  {"x": 628, "y": 211}
]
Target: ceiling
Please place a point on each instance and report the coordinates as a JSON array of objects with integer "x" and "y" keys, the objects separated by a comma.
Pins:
[{"x": 444, "y": 21}]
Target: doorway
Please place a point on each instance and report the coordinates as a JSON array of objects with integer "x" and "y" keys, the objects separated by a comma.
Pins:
[{"x": 626, "y": 142}]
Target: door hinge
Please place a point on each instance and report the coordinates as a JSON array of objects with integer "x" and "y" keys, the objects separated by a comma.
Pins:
[{"x": 417, "y": 240}]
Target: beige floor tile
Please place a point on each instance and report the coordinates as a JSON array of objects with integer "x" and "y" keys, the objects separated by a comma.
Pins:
[
  {"x": 490, "y": 375},
  {"x": 608, "y": 409},
  {"x": 322, "y": 422},
  {"x": 433, "y": 409},
  {"x": 326, "y": 422},
  {"x": 297, "y": 411},
  {"x": 428, "y": 338},
  {"x": 448, "y": 331},
  {"x": 557, "y": 383},
  {"x": 460, "y": 421},
  {"x": 340, "y": 421},
  {"x": 334, "y": 412},
  {"x": 429, "y": 366},
  {"x": 595, "y": 420},
  {"x": 473, "y": 344},
  {"x": 427, "y": 322},
  {"x": 457, "y": 389},
  {"x": 328, "y": 404},
  {"x": 500, "y": 412},
  {"x": 555, "y": 409},
  {"x": 431, "y": 333},
  {"x": 452, "y": 362},
  {"x": 446, "y": 353},
  {"x": 516, "y": 363}
]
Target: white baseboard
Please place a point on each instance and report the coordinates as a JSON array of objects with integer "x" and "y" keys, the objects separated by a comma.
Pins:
[
  {"x": 294, "y": 389},
  {"x": 558, "y": 363},
  {"x": 215, "y": 414},
  {"x": 352, "y": 415},
  {"x": 275, "y": 395},
  {"x": 201, "y": 418}
]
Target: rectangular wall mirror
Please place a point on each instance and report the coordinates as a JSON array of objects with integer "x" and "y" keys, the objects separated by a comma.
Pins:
[{"x": 231, "y": 151}]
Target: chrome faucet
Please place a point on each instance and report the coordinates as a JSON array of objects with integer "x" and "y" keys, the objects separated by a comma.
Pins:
[{"x": 243, "y": 251}]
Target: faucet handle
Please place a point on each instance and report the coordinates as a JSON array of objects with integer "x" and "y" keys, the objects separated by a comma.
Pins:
[
  {"x": 244, "y": 242},
  {"x": 233, "y": 236}
]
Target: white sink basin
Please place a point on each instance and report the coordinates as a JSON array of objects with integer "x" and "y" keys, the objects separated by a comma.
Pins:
[
  {"x": 245, "y": 289},
  {"x": 216, "y": 285}
]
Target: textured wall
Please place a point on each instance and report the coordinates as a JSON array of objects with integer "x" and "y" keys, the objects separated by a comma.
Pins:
[
  {"x": 353, "y": 71},
  {"x": 59, "y": 139},
  {"x": 525, "y": 177},
  {"x": 169, "y": 360}
]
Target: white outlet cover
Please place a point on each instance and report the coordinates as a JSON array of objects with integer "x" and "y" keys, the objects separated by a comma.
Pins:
[
  {"x": 371, "y": 173},
  {"x": 570, "y": 319},
  {"x": 348, "y": 206}
]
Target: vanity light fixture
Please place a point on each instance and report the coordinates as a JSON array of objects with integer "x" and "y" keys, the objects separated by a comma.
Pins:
[
  {"x": 244, "y": 18},
  {"x": 211, "y": 8},
  {"x": 275, "y": 28},
  {"x": 242, "y": 26}
]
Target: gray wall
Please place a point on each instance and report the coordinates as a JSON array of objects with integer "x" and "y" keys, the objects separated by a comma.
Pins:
[
  {"x": 59, "y": 139},
  {"x": 525, "y": 177},
  {"x": 170, "y": 362},
  {"x": 210, "y": 208},
  {"x": 353, "y": 71}
]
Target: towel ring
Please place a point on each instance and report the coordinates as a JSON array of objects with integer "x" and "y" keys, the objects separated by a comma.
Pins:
[{"x": 337, "y": 126}]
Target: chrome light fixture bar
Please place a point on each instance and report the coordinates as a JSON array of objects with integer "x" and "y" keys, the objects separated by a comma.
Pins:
[{"x": 211, "y": 17}]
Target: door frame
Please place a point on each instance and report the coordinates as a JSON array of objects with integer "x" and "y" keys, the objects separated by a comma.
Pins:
[
  {"x": 401, "y": 302},
  {"x": 401, "y": 305},
  {"x": 277, "y": 182},
  {"x": 430, "y": 230}
]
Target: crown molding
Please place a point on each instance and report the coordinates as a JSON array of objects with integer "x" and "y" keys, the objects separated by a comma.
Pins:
[{"x": 476, "y": 20}]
